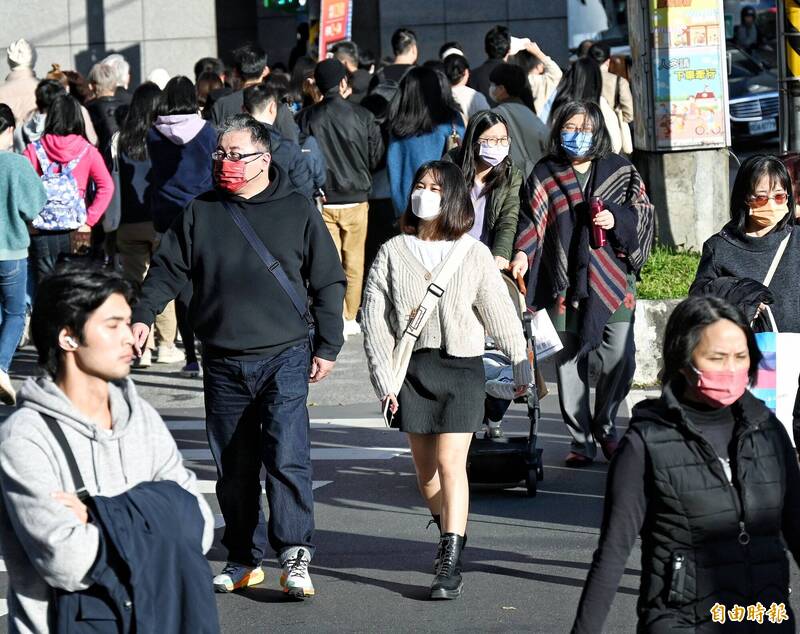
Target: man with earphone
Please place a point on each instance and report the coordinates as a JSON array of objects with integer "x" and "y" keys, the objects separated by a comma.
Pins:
[{"x": 82, "y": 435}]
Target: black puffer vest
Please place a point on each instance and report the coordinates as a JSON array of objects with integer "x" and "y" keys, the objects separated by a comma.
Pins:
[{"x": 704, "y": 540}]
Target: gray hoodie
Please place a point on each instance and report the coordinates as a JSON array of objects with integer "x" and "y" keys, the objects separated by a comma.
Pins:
[{"x": 44, "y": 544}]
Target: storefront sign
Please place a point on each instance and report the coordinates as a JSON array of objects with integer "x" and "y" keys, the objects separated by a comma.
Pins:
[{"x": 336, "y": 24}]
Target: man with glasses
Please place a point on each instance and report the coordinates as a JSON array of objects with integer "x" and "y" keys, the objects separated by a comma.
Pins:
[{"x": 257, "y": 353}]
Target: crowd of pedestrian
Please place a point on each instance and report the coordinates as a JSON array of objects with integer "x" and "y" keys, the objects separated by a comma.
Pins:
[{"x": 264, "y": 214}]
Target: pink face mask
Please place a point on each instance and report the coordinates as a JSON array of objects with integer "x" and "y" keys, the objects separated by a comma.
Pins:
[{"x": 721, "y": 388}]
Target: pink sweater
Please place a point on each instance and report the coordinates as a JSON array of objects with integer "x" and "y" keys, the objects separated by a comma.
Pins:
[{"x": 62, "y": 149}]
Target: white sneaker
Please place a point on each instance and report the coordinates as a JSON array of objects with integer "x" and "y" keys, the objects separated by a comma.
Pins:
[
  {"x": 295, "y": 580},
  {"x": 145, "y": 361},
  {"x": 8, "y": 394},
  {"x": 170, "y": 354},
  {"x": 351, "y": 327}
]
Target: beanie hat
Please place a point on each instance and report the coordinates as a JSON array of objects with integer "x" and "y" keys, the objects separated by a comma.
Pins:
[
  {"x": 20, "y": 53},
  {"x": 328, "y": 74},
  {"x": 159, "y": 76}
]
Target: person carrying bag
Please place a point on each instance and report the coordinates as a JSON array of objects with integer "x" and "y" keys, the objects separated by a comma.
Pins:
[{"x": 425, "y": 357}]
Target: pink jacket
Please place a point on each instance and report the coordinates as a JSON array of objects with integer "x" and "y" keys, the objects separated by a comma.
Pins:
[{"x": 62, "y": 149}]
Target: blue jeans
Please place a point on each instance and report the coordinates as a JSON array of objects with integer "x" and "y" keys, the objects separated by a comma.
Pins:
[
  {"x": 46, "y": 247},
  {"x": 256, "y": 415},
  {"x": 13, "y": 285}
]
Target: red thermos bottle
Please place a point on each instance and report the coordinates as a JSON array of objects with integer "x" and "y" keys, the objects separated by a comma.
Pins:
[{"x": 598, "y": 233}]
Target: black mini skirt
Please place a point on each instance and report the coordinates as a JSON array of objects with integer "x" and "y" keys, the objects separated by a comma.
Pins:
[{"x": 442, "y": 394}]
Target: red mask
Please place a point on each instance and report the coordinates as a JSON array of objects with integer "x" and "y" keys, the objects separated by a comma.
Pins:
[
  {"x": 230, "y": 175},
  {"x": 721, "y": 388}
]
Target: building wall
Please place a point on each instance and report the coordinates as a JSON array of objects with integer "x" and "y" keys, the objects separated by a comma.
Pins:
[
  {"x": 77, "y": 33},
  {"x": 467, "y": 21}
]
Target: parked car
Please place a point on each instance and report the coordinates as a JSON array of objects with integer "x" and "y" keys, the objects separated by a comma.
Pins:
[{"x": 753, "y": 101}]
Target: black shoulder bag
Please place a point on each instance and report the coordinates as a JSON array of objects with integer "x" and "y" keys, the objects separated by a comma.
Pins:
[
  {"x": 58, "y": 433},
  {"x": 275, "y": 268}
]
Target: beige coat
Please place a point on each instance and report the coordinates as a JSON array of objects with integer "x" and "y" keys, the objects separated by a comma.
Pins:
[
  {"x": 19, "y": 92},
  {"x": 544, "y": 85},
  {"x": 624, "y": 99}
]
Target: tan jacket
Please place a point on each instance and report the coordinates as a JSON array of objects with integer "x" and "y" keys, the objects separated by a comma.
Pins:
[
  {"x": 544, "y": 85},
  {"x": 19, "y": 92},
  {"x": 624, "y": 99}
]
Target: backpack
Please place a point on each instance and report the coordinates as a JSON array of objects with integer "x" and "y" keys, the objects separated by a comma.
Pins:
[{"x": 65, "y": 208}]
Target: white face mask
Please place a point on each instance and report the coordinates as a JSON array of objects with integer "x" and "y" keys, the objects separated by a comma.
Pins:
[
  {"x": 492, "y": 88},
  {"x": 425, "y": 204}
]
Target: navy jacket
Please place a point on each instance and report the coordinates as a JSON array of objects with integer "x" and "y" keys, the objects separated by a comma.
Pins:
[
  {"x": 181, "y": 172},
  {"x": 150, "y": 574}
]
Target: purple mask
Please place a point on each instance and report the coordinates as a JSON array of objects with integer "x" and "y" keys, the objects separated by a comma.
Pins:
[{"x": 493, "y": 155}]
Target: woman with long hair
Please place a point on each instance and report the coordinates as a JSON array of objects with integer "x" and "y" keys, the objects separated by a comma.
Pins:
[
  {"x": 137, "y": 239},
  {"x": 761, "y": 231},
  {"x": 63, "y": 147},
  {"x": 423, "y": 120},
  {"x": 440, "y": 404},
  {"x": 708, "y": 478},
  {"x": 23, "y": 197},
  {"x": 583, "y": 81},
  {"x": 179, "y": 145},
  {"x": 582, "y": 263},
  {"x": 512, "y": 92}
]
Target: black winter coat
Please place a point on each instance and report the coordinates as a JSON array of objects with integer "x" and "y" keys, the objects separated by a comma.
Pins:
[{"x": 707, "y": 541}]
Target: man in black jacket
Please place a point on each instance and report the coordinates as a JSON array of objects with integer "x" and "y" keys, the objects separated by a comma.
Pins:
[
  {"x": 255, "y": 346},
  {"x": 352, "y": 144},
  {"x": 497, "y": 44},
  {"x": 262, "y": 103}
]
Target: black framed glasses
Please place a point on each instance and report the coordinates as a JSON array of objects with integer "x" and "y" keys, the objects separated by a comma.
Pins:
[{"x": 220, "y": 155}]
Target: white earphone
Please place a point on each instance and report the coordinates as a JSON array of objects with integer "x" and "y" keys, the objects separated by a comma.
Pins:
[{"x": 72, "y": 343}]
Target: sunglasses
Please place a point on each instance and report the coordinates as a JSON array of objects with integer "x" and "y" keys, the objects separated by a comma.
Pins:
[{"x": 761, "y": 200}]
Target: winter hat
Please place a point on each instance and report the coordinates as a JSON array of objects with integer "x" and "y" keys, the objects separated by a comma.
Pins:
[
  {"x": 159, "y": 77},
  {"x": 328, "y": 74},
  {"x": 21, "y": 53}
]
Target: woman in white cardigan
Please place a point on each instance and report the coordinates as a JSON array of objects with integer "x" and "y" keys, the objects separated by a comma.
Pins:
[{"x": 441, "y": 402}]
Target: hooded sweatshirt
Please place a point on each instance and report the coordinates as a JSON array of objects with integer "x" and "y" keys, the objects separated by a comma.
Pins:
[
  {"x": 62, "y": 149},
  {"x": 180, "y": 148},
  {"x": 44, "y": 545}
]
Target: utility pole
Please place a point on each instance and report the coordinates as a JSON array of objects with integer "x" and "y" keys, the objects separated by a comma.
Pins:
[
  {"x": 789, "y": 74},
  {"x": 682, "y": 129}
]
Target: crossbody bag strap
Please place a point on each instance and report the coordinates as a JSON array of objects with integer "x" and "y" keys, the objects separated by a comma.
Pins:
[
  {"x": 273, "y": 266},
  {"x": 437, "y": 287},
  {"x": 74, "y": 471},
  {"x": 776, "y": 260}
]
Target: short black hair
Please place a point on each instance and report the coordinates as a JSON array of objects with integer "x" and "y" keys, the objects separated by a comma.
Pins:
[
  {"x": 526, "y": 60},
  {"x": 66, "y": 299},
  {"x": 685, "y": 327},
  {"x": 256, "y": 98},
  {"x": 601, "y": 141},
  {"x": 46, "y": 91},
  {"x": 346, "y": 50},
  {"x": 6, "y": 117},
  {"x": 209, "y": 65},
  {"x": 515, "y": 81},
  {"x": 457, "y": 214},
  {"x": 250, "y": 60},
  {"x": 64, "y": 117},
  {"x": 751, "y": 171},
  {"x": 259, "y": 133},
  {"x": 599, "y": 52},
  {"x": 179, "y": 97},
  {"x": 497, "y": 42},
  {"x": 402, "y": 40},
  {"x": 455, "y": 67}
]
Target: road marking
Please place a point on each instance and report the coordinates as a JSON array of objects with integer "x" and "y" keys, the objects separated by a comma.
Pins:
[
  {"x": 3, "y": 607},
  {"x": 2, "y": 565},
  {"x": 580, "y": 495},
  {"x": 209, "y": 487},
  {"x": 319, "y": 453}
]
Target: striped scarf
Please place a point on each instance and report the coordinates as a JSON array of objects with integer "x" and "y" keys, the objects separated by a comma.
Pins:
[{"x": 554, "y": 232}]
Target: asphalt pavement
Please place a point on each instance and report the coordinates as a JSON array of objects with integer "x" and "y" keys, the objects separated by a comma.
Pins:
[{"x": 525, "y": 561}]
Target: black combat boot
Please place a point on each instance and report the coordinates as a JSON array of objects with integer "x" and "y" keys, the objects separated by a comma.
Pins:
[{"x": 448, "y": 584}]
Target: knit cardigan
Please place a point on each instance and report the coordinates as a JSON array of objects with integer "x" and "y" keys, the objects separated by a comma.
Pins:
[{"x": 475, "y": 304}]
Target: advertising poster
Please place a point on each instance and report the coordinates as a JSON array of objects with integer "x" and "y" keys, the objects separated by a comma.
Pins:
[
  {"x": 336, "y": 23},
  {"x": 689, "y": 74}
]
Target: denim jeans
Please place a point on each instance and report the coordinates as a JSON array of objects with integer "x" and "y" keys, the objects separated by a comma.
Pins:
[
  {"x": 256, "y": 415},
  {"x": 46, "y": 246},
  {"x": 13, "y": 285}
]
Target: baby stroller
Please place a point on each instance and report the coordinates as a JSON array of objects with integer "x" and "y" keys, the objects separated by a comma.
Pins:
[{"x": 510, "y": 461}]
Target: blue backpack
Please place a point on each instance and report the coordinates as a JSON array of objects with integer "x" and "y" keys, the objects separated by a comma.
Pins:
[{"x": 65, "y": 208}]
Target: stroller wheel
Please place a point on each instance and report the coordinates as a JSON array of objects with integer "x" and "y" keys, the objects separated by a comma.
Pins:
[{"x": 531, "y": 482}]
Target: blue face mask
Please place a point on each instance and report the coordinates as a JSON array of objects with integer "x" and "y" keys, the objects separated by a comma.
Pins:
[{"x": 576, "y": 144}]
